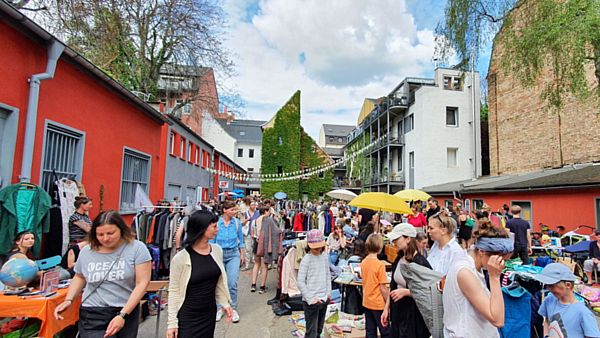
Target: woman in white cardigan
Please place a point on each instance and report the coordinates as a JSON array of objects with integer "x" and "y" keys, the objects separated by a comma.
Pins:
[{"x": 197, "y": 281}]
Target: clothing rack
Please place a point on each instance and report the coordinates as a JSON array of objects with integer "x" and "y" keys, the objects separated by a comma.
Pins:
[{"x": 162, "y": 207}]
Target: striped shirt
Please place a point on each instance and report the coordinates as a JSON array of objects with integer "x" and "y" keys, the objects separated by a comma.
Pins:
[
  {"x": 230, "y": 236},
  {"x": 76, "y": 233},
  {"x": 314, "y": 278}
]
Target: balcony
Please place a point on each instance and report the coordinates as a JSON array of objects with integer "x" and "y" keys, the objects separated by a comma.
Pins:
[
  {"x": 393, "y": 141},
  {"x": 345, "y": 183},
  {"x": 395, "y": 178}
]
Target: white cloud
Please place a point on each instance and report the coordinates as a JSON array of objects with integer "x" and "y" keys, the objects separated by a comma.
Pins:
[{"x": 336, "y": 52}]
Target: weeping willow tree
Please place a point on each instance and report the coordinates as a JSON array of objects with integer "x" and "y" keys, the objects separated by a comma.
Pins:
[{"x": 561, "y": 37}]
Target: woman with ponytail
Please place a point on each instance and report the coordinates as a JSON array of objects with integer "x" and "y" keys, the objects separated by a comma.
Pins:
[
  {"x": 470, "y": 309},
  {"x": 400, "y": 308}
]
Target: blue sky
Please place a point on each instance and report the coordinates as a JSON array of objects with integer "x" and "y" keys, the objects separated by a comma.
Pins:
[{"x": 336, "y": 52}]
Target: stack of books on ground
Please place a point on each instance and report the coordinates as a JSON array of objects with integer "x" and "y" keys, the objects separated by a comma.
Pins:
[{"x": 299, "y": 323}]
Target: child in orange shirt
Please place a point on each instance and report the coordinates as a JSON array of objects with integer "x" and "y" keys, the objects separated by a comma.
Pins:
[{"x": 375, "y": 291}]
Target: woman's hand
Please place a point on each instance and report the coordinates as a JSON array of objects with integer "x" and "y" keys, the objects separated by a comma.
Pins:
[
  {"x": 172, "y": 333},
  {"x": 495, "y": 266},
  {"x": 384, "y": 317},
  {"x": 60, "y": 308},
  {"x": 228, "y": 312},
  {"x": 115, "y": 325},
  {"x": 399, "y": 294}
]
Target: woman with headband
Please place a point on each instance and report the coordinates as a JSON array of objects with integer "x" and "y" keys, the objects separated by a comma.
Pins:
[{"x": 470, "y": 309}]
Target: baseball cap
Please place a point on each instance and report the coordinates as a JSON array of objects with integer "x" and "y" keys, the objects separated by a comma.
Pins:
[
  {"x": 315, "y": 239},
  {"x": 554, "y": 273},
  {"x": 402, "y": 229}
]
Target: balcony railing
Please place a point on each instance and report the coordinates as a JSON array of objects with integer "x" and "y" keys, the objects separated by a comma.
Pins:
[{"x": 392, "y": 140}]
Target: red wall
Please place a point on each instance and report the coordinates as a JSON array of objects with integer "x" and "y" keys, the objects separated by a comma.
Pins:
[
  {"x": 568, "y": 207},
  {"x": 78, "y": 100}
]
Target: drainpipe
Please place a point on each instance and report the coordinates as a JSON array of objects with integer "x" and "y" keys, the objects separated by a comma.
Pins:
[{"x": 54, "y": 52}]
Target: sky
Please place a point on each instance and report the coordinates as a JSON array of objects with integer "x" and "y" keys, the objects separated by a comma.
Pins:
[{"x": 337, "y": 52}]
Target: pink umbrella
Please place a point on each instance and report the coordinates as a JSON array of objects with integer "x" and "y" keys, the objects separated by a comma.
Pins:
[{"x": 386, "y": 223}]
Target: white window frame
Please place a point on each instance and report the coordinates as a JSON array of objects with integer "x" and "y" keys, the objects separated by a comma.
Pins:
[
  {"x": 189, "y": 151},
  {"x": 455, "y": 110},
  {"x": 79, "y": 150},
  {"x": 173, "y": 138},
  {"x": 182, "y": 142},
  {"x": 455, "y": 164},
  {"x": 127, "y": 151}
]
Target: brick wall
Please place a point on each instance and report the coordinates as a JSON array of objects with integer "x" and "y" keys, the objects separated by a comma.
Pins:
[{"x": 525, "y": 135}]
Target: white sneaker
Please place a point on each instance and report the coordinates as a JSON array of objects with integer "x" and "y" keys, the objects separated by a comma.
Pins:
[
  {"x": 219, "y": 314},
  {"x": 235, "y": 317}
]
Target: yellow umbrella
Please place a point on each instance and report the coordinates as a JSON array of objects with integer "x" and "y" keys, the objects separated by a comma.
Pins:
[
  {"x": 380, "y": 201},
  {"x": 412, "y": 195}
]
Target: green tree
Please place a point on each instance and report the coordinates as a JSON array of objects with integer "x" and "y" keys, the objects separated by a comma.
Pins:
[
  {"x": 132, "y": 40},
  {"x": 560, "y": 36}
]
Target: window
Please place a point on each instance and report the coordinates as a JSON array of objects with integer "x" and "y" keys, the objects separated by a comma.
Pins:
[
  {"x": 411, "y": 160},
  {"x": 526, "y": 210},
  {"x": 182, "y": 148},
  {"x": 449, "y": 204},
  {"x": 452, "y": 154},
  {"x": 340, "y": 140},
  {"x": 136, "y": 171},
  {"x": 330, "y": 138},
  {"x": 240, "y": 152},
  {"x": 63, "y": 153},
  {"x": 251, "y": 153},
  {"x": 197, "y": 156},
  {"x": 452, "y": 83},
  {"x": 400, "y": 164},
  {"x": 321, "y": 174},
  {"x": 242, "y": 133},
  {"x": 452, "y": 116},
  {"x": 279, "y": 169},
  {"x": 205, "y": 159},
  {"x": 280, "y": 140},
  {"x": 250, "y": 169},
  {"x": 477, "y": 204},
  {"x": 172, "y": 140},
  {"x": 400, "y": 131},
  {"x": 190, "y": 150},
  {"x": 409, "y": 123}
]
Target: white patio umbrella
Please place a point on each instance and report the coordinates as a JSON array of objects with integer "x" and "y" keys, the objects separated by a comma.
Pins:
[{"x": 342, "y": 194}]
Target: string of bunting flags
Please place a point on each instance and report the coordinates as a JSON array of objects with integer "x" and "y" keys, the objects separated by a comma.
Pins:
[{"x": 294, "y": 175}]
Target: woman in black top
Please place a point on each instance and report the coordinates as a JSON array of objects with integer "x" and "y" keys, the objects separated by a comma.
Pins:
[
  {"x": 400, "y": 308},
  {"x": 195, "y": 299},
  {"x": 70, "y": 258},
  {"x": 80, "y": 222}
]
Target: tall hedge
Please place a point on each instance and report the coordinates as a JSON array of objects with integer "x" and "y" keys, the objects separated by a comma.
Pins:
[{"x": 297, "y": 151}]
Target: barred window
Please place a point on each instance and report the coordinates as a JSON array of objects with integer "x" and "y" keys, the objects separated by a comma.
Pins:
[
  {"x": 136, "y": 171},
  {"x": 63, "y": 154}
]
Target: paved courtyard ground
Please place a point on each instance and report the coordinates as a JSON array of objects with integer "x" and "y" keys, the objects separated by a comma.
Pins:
[{"x": 256, "y": 317}]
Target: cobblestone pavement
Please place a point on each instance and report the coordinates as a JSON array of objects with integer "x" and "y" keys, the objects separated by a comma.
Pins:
[{"x": 256, "y": 317}]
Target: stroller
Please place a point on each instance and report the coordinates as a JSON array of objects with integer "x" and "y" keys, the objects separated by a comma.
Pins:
[{"x": 579, "y": 253}]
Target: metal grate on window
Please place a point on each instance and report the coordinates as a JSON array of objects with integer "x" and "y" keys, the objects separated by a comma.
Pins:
[
  {"x": 62, "y": 155},
  {"x": 136, "y": 170}
]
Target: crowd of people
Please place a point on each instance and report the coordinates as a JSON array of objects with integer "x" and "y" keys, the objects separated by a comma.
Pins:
[{"x": 468, "y": 252}]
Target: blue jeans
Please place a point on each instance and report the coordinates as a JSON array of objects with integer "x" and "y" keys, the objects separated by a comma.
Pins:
[{"x": 231, "y": 262}]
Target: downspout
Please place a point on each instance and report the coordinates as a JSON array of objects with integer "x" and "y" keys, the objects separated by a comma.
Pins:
[{"x": 54, "y": 52}]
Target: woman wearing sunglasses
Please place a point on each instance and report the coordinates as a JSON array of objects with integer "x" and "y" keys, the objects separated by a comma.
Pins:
[{"x": 445, "y": 247}]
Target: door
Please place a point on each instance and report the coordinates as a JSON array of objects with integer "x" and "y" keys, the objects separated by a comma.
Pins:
[
  {"x": 411, "y": 170},
  {"x": 526, "y": 210}
]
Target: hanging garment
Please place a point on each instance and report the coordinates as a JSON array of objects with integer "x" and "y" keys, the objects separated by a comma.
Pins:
[
  {"x": 53, "y": 240},
  {"x": 298, "y": 222},
  {"x": 67, "y": 191},
  {"x": 23, "y": 207},
  {"x": 517, "y": 312}
]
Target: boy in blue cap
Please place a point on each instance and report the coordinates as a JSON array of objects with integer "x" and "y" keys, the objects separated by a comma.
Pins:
[{"x": 564, "y": 315}]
